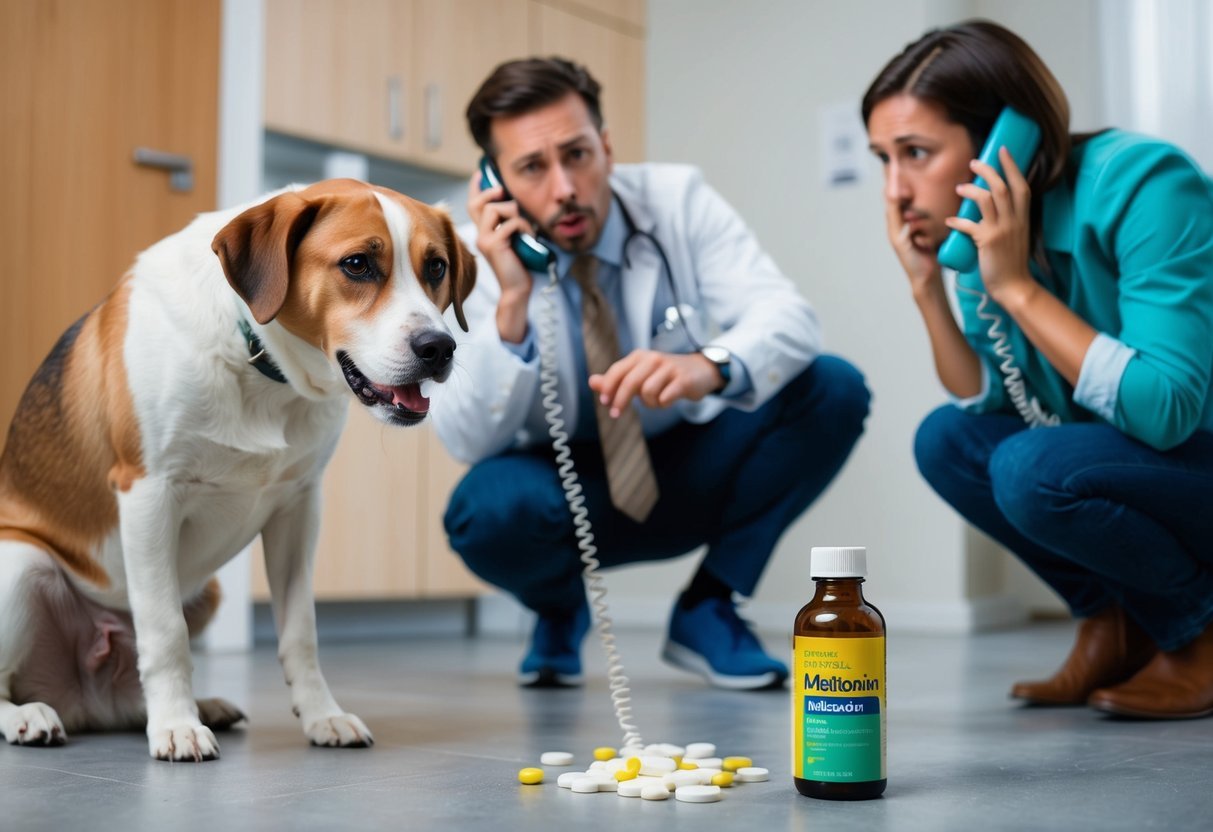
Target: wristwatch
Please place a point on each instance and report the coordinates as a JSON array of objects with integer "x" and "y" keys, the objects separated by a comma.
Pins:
[{"x": 722, "y": 358}]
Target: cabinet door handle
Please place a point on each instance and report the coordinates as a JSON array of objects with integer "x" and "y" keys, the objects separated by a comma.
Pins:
[
  {"x": 180, "y": 168},
  {"x": 395, "y": 109},
  {"x": 433, "y": 116}
]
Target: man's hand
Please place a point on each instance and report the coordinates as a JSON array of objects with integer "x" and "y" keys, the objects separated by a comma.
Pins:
[
  {"x": 658, "y": 379},
  {"x": 495, "y": 223}
]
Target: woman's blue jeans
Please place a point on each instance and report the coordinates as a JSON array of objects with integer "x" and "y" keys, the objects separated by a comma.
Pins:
[{"x": 1101, "y": 517}]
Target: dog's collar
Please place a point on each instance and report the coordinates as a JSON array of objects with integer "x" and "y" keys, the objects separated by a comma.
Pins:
[{"x": 258, "y": 356}]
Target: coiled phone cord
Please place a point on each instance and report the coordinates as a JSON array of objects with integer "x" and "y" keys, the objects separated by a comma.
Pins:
[
  {"x": 1031, "y": 410},
  {"x": 616, "y": 680}
]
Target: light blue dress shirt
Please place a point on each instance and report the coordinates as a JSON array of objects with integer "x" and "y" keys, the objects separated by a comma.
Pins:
[{"x": 609, "y": 252}]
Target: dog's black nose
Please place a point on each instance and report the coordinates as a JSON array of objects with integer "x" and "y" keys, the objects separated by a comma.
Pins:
[{"x": 435, "y": 349}]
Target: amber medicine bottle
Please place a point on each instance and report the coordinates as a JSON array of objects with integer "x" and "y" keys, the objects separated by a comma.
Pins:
[{"x": 838, "y": 683}]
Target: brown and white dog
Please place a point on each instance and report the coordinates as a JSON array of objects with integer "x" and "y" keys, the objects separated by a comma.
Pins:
[{"x": 150, "y": 448}]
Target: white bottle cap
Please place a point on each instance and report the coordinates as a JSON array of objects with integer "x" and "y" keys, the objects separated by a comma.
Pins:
[{"x": 838, "y": 562}]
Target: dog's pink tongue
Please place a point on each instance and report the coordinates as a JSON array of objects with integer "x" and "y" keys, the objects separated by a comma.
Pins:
[{"x": 410, "y": 396}]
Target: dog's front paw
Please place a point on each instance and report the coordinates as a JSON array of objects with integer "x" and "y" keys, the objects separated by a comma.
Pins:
[
  {"x": 183, "y": 742},
  {"x": 343, "y": 730},
  {"x": 219, "y": 714},
  {"x": 34, "y": 724}
]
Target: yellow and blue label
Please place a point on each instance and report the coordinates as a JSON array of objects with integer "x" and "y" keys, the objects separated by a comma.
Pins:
[{"x": 838, "y": 709}]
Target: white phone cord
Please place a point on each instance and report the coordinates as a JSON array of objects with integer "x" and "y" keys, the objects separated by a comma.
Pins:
[
  {"x": 616, "y": 680},
  {"x": 1031, "y": 410}
]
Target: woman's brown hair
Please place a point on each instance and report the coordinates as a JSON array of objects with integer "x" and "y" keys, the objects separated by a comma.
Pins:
[{"x": 973, "y": 70}]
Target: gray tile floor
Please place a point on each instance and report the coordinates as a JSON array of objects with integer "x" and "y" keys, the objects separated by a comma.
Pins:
[{"x": 452, "y": 731}]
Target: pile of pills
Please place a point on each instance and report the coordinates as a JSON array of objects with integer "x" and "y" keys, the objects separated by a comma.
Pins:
[{"x": 692, "y": 774}]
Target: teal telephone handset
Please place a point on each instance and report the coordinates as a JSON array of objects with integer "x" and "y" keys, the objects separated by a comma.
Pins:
[
  {"x": 1021, "y": 137},
  {"x": 533, "y": 254}
]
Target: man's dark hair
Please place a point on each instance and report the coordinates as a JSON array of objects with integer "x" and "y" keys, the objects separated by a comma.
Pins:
[{"x": 518, "y": 87}]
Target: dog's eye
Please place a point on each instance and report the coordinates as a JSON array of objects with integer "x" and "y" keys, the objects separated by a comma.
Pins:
[
  {"x": 358, "y": 267},
  {"x": 435, "y": 270}
]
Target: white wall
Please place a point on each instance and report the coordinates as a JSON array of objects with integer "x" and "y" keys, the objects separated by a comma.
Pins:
[
  {"x": 736, "y": 89},
  {"x": 239, "y": 175}
]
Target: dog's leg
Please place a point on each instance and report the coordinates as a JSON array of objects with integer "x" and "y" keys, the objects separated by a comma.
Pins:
[
  {"x": 33, "y": 723},
  {"x": 289, "y": 539},
  {"x": 150, "y": 519}
]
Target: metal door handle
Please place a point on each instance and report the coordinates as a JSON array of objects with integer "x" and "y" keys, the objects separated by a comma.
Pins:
[
  {"x": 395, "y": 109},
  {"x": 180, "y": 168},
  {"x": 433, "y": 116}
]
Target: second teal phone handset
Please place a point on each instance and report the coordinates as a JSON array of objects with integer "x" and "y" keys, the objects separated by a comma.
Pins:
[
  {"x": 539, "y": 258},
  {"x": 1021, "y": 137}
]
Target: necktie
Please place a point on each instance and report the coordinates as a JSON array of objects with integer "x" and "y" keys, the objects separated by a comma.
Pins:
[{"x": 629, "y": 470}]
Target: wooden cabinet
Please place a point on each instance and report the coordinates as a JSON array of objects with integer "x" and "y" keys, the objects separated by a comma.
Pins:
[
  {"x": 392, "y": 78},
  {"x": 381, "y": 532},
  {"x": 386, "y": 77},
  {"x": 614, "y": 54}
]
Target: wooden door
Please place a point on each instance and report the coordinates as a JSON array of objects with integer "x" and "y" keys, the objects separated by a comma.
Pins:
[{"x": 82, "y": 84}]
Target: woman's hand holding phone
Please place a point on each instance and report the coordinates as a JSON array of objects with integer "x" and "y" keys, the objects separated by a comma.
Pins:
[{"x": 1003, "y": 235}]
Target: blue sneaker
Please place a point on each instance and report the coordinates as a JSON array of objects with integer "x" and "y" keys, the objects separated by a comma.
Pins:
[
  {"x": 711, "y": 639},
  {"x": 554, "y": 660}
]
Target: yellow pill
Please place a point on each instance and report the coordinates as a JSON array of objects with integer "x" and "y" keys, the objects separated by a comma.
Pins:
[
  {"x": 634, "y": 764},
  {"x": 625, "y": 774},
  {"x": 677, "y": 761},
  {"x": 724, "y": 779},
  {"x": 530, "y": 776},
  {"x": 687, "y": 765},
  {"x": 734, "y": 763},
  {"x": 605, "y": 753}
]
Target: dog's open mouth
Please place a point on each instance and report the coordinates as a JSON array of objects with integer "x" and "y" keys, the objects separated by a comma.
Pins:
[{"x": 405, "y": 401}]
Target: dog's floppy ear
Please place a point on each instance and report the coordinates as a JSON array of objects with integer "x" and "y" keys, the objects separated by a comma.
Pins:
[
  {"x": 256, "y": 249},
  {"x": 463, "y": 270}
]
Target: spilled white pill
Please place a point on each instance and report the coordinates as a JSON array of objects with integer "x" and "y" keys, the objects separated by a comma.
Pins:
[
  {"x": 598, "y": 765},
  {"x": 697, "y": 794},
  {"x": 556, "y": 758},
  {"x": 657, "y": 765},
  {"x": 699, "y": 750},
  {"x": 709, "y": 762},
  {"x": 565, "y": 781},
  {"x": 611, "y": 785},
  {"x": 655, "y": 792},
  {"x": 753, "y": 774},
  {"x": 681, "y": 778},
  {"x": 631, "y": 788},
  {"x": 586, "y": 785}
]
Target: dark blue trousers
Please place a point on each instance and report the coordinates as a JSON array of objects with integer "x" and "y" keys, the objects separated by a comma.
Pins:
[
  {"x": 1099, "y": 516},
  {"x": 735, "y": 484}
]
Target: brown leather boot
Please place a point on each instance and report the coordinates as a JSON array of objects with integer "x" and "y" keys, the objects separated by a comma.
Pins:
[
  {"x": 1109, "y": 649},
  {"x": 1174, "y": 685}
]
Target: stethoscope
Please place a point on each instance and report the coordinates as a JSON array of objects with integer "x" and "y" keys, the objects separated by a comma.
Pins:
[
  {"x": 675, "y": 315},
  {"x": 678, "y": 313}
]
